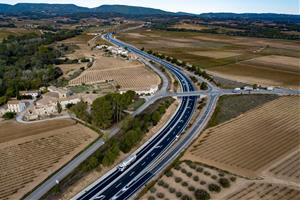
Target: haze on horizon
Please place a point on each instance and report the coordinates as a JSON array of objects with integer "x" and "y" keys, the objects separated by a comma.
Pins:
[{"x": 194, "y": 6}]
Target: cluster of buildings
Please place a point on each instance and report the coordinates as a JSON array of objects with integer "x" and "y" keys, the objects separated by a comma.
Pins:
[
  {"x": 41, "y": 106},
  {"x": 119, "y": 51},
  {"x": 48, "y": 104}
]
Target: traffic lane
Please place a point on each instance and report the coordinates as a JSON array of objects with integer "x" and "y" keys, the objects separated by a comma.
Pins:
[
  {"x": 130, "y": 190},
  {"x": 101, "y": 186},
  {"x": 147, "y": 160}
]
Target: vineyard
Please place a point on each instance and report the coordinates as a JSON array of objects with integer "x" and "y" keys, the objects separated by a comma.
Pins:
[
  {"x": 133, "y": 76},
  {"x": 38, "y": 156},
  {"x": 265, "y": 191},
  {"x": 289, "y": 168},
  {"x": 251, "y": 142}
]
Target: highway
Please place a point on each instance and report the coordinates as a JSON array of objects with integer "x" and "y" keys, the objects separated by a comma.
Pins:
[
  {"x": 121, "y": 185},
  {"x": 155, "y": 155}
]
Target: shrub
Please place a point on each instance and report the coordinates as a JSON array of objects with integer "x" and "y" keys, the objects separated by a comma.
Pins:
[
  {"x": 160, "y": 182},
  {"x": 193, "y": 166},
  {"x": 152, "y": 189},
  {"x": 186, "y": 197},
  {"x": 233, "y": 179},
  {"x": 165, "y": 185},
  {"x": 221, "y": 174},
  {"x": 214, "y": 177},
  {"x": 160, "y": 195},
  {"x": 178, "y": 179},
  {"x": 189, "y": 162},
  {"x": 202, "y": 182},
  {"x": 183, "y": 171},
  {"x": 196, "y": 178},
  {"x": 191, "y": 188},
  {"x": 189, "y": 174},
  {"x": 206, "y": 173},
  {"x": 151, "y": 198},
  {"x": 214, "y": 188},
  {"x": 199, "y": 169},
  {"x": 201, "y": 194},
  {"x": 178, "y": 194},
  {"x": 169, "y": 173},
  {"x": 177, "y": 167},
  {"x": 172, "y": 190},
  {"x": 224, "y": 182},
  {"x": 184, "y": 184}
]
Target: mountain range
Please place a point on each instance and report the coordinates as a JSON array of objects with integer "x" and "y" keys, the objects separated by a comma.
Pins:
[{"x": 62, "y": 9}]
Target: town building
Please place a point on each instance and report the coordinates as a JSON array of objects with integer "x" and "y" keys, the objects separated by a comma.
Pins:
[{"x": 16, "y": 106}]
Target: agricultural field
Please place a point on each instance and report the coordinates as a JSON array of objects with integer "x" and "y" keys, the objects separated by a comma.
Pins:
[
  {"x": 265, "y": 191},
  {"x": 128, "y": 75},
  {"x": 189, "y": 26},
  {"x": 251, "y": 142},
  {"x": 191, "y": 180},
  {"x": 4, "y": 32},
  {"x": 266, "y": 70},
  {"x": 36, "y": 151},
  {"x": 247, "y": 60},
  {"x": 288, "y": 168}
]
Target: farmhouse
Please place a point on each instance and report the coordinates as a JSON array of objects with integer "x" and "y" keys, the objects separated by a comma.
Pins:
[{"x": 16, "y": 106}]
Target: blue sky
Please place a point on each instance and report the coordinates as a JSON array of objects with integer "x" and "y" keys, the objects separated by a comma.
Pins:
[{"x": 193, "y": 6}]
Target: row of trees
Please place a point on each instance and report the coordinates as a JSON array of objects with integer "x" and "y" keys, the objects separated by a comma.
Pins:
[
  {"x": 26, "y": 62},
  {"x": 132, "y": 131},
  {"x": 193, "y": 68}
]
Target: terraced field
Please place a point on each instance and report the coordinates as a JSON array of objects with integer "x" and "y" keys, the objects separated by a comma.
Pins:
[
  {"x": 251, "y": 142},
  {"x": 27, "y": 161}
]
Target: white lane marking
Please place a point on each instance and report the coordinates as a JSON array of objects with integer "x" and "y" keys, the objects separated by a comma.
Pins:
[
  {"x": 118, "y": 185},
  {"x": 131, "y": 173}
]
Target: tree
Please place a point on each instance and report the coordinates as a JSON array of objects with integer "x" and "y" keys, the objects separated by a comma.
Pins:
[
  {"x": 214, "y": 187},
  {"x": 9, "y": 115},
  {"x": 59, "y": 108},
  {"x": 102, "y": 113},
  {"x": 155, "y": 117},
  {"x": 202, "y": 194},
  {"x": 224, "y": 182},
  {"x": 203, "y": 86},
  {"x": 80, "y": 110}
]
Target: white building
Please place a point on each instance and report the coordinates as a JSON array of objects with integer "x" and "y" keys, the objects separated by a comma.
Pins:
[
  {"x": 16, "y": 106},
  {"x": 34, "y": 93},
  {"x": 70, "y": 100},
  {"x": 146, "y": 91}
]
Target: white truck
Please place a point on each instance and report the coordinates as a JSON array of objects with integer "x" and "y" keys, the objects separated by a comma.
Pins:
[{"x": 122, "y": 166}]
